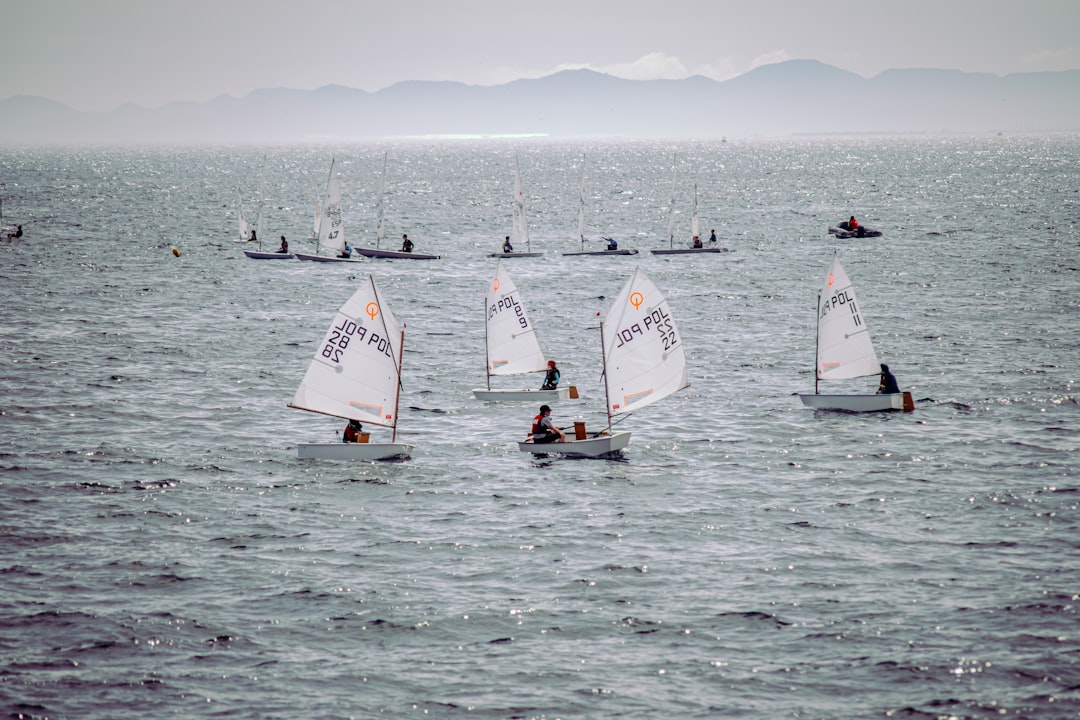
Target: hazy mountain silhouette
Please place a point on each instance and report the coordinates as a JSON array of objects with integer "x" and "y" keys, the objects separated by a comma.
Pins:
[{"x": 799, "y": 96}]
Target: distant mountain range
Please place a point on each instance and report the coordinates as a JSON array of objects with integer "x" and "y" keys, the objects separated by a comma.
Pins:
[{"x": 795, "y": 97}]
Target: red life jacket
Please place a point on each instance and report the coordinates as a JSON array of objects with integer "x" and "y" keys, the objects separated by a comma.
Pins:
[{"x": 536, "y": 429}]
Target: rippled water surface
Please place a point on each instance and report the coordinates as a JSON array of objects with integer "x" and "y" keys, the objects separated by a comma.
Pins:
[{"x": 167, "y": 555}]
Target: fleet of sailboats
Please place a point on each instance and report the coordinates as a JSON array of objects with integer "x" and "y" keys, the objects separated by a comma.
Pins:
[
  {"x": 356, "y": 375},
  {"x": 511, "y": 345},
  {"x": 643, "y": 362},
  {"x": 845, "y": 351},
  {"x": 356, "y": 371}
]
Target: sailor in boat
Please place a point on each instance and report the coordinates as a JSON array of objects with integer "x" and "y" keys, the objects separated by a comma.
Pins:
[
  {"x": 17, "y": 234},
  {"x": 697, "y": 241},
  {"x": 712, "y": 237},
  {"x": 253, "y": 238},
  {"x": 611, "y": 244},
  {"x": 551, "y": 379},
  {"x": 284, "y": 245},
  {"x": 347, "y": 252},
  {"x": 352, "y": 432},
  {"x": 544, "y": 430},
  {"x": 507, "y": 247},
  {"x": 888, "y": 384},
  {"x": 406, "y": 244},
  {"x": 852, "y": 223}
]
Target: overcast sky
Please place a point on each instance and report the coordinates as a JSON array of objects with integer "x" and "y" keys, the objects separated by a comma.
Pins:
[{"x": 99, "y": 54}]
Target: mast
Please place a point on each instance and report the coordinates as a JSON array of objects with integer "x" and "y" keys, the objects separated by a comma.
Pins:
[
  {"x": 487, "y": 347},
  {"x": 671, "y": 209},
  {"x": 400, "y": 356},
  {"x": 519, "y": 204},
  {"x": 380, "y": 228},
  {"x": 397, "y": 393},
  {"x": 325, "y": 196},
  {"x": 581, "y": 208},
  {"x": 603, "y": 365},
  {"x": 817, "y": 338}
]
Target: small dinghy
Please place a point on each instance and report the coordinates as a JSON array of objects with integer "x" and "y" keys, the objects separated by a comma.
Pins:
[
  {"x": 511, "y": 344},
  {"x": 845, "y": 350},
  {"x": 643, "y": 361},
  {"x": 356, "y": 375}
]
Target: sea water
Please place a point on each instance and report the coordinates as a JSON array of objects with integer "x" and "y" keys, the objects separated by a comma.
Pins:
[{"x": 167, "y": 555}]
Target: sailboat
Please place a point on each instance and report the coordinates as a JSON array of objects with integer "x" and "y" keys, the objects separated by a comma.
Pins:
[
  {"x": 696, "y": 246},
  {"x": 331, "y": 230},
  {"x": 356, "y": 374},
  {"x": 519, "y": 229},
  {"x": 845, "y": 350},
  {"x": 245, "y": 231},
  {"x": 259, "y": 234},
  {"x": 380, "y": 232},
  {"x": 511, "y": 344},
  {"x": 644, "y": 362},
  {"x": 581, "y": 231}
]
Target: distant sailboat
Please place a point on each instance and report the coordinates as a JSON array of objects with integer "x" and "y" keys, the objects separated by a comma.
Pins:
[
  {"x": 380, "y": 232},
  {"x": 581, "y": 232},
  {"x": 331, "y": 229},
  {"x": 696, "y": 246},
  {"x": 519, "y": 228},
  {"x": 259, "y": 232}
]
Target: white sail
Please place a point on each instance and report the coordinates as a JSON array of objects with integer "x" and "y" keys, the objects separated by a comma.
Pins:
[
  {"x": 644, "y": 359},
  {"x": 512, "y": 347},
  {"x": 331, "y": 231},
  {"x": 318, "y": 217},
  {"x": 694, "y": 231},
  {"x": 519, "y": 233},
  {"x": 581, "y": 213},
  {"x": 380, "y": 227},
  {"x": 245, "y": 234},
  {"x": 844, "y": 348},
  {"x": 356, "y": 368}
]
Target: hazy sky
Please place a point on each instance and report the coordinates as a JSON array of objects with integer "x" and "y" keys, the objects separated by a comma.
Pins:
[{"x": 99, "y": 54}]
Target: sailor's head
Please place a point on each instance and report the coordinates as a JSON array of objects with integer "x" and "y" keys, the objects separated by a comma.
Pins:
[
  {"x": 545, "y": 409},
  {"x": 551, "y": 363},
  {"x": 884, "y": 368}
]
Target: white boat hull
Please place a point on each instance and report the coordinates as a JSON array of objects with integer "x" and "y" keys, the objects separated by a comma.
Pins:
[
  {"x": 596, "y": 446},
  {"x": 515, "y": 254},
  {"x": 326, "y": 258},
  {"x": 375, "y": 253},
  {"x": 628, "y": 251},
  {"x": 256, "y": 255},
  {"x": 688, "y": 251},
  {"x": 525, "y": 394},
  {"x": 353, "y": 451},
  {"x": 855, "y": 402}
]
